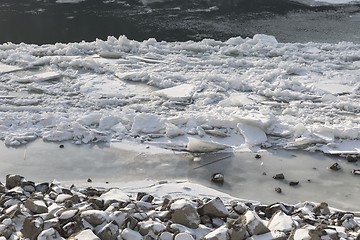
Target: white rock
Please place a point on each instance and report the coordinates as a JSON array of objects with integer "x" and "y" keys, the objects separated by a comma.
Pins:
[
  {"x": 95, "y": 217},
  {"x": 179, "y": 228},
  {"x": 253, "y": 223},
  {"x": 268, "y": 236},
  {"x": 281, "y": 222},
  {"x": 114, "y": 194},
  {"x": 166, "y": 236},
  {"x": 119, "y": 217},
  {"x": 62, "y": 198},
  {"x": 154, "y": 226},
  {"x": 220, "y": 233},
  {"x": 302, "y": 234},
  {"x": 50, "y": 234},
  {"x": 67, "y": 214},
  {"x": 183, "y": 236},
  {"x": 86, "y": 235},
  {"x": 129, "y": 234},
  {"x": 183, "y": 212}
]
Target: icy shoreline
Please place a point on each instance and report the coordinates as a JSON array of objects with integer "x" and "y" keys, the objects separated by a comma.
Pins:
[
  {"x": 43, "y": 210},
  {"x": 243, "y": 172}
]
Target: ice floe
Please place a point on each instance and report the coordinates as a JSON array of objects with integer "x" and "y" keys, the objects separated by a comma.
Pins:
[{"x": 241, "y": 93}]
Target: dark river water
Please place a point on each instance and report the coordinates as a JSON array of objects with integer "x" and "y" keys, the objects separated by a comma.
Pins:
[{"x": 45, "y": 21}]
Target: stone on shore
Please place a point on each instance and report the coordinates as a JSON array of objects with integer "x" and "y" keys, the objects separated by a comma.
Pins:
[
  {"x": 36, "y": 206},
  {"x": 220, "y": 233},
  {"x": 114, "y": 195},
  {"x": 214, "y": 208},
  {"x": 86, "y": 235},
  {"x": 184, "y": 212},
  {"x": 32, "y": 227},
  {"x": 13, "y": 181},
  {"x": 94, "y": 217},
  {"x": 281, "y": 222},
  {"x": 109, "y": 232},
  {"x": 129, "y": 234},
  {"x": 253, "y": 223},
  {"x": 50, "y": 234},
  {"x": 58, "y": 212}
]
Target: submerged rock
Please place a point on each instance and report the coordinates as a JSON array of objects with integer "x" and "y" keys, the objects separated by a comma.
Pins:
[
  {"x": 335, "y": 167},
  {"x": 322, "y": 208},
  {"x": 279, "y": 176},
  {"x": 294, "y": 183},
  {"x": 217, "y": 178}
]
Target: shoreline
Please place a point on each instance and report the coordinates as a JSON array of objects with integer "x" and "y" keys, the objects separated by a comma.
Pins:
[
  {"x": 178, "y": 211},
  {"x": 243, "y": 172}
]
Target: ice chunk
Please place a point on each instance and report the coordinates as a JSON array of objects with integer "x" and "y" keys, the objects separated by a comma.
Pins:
[
  {"x": 344, "y": 147},
  {"x": 324, "y": 133},
  {"x": 334, "y": 88},
  {"x": 8, "y": 68},
  {"x": 181, "y": 92},
  {"x": 40, "y": 77},
  {"x": 253, "y": 135},
  {"x": 173, "y": 130},
  {"x": 236, "y": 99},
  {"x": 57, "y": 135},
  {"x": 147, "y": 123},
  {"x": 201, "y": 146},
  {"x": 265, "y": 40}
]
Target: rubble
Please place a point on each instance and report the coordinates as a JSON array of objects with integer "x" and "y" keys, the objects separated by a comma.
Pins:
[{"x": 110, "y": 214}]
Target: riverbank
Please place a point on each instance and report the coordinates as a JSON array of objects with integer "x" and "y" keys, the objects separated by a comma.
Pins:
[{"x": 161, "y": 211}]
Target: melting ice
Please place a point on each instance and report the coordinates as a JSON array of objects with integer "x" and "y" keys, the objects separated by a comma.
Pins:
[{"x": 239, "y": 94}]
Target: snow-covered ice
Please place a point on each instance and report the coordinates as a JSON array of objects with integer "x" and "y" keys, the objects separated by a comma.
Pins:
[{"x": 241, "y": 93}]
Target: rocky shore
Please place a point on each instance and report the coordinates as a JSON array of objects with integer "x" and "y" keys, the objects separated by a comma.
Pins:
[{"x": 54, "y": 211}]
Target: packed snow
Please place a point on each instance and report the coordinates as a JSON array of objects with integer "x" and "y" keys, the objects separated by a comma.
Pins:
[{"x": 207, "y": 95}]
